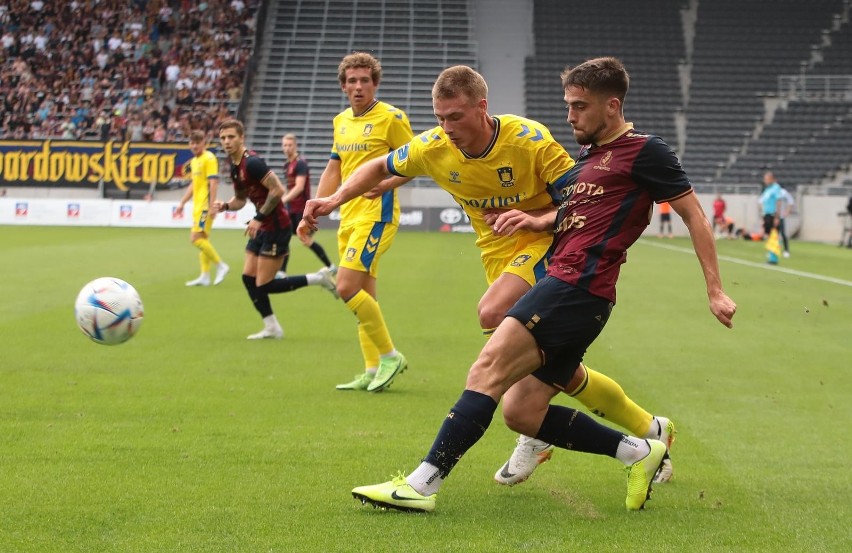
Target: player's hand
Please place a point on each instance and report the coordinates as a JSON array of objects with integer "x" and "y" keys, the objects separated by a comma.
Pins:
[
  {"x": 315, "y": 209},
  {"x": 723, "y": 308},
  {"x": 306, "y": 239},
  {"x": 377, "y": 190},
  {"x": 216, "y": 207},
  {"x": 506, "y": 223},
  {"x": 252, "y": 227},
  {"x": 179, "y": 210},
  {"x": 304, "y": 231}
]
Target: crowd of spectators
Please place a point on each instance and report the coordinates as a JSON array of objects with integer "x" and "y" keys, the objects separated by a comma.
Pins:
[{"x": 139, "y": 70}]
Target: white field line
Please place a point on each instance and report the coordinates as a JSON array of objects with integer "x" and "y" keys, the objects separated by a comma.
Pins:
[{"x": 765, "y": 266}]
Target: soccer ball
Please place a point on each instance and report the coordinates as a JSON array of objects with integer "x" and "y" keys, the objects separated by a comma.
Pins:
[{"x": 108, "y": 310}]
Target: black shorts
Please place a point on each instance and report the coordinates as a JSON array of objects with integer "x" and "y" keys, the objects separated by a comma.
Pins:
[
  {"x": 270, "y": 243},
  {"x": 768, "y": 224},
  {"x": 295, "y": 219},
  {"x": 665, "y": 217},
  {"x": 564, "y": 320}
]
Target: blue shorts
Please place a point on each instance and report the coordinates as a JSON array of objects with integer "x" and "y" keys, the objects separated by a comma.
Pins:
[
  {"x": 564, "y": 320},
  {"x": 270, "y": 243}
]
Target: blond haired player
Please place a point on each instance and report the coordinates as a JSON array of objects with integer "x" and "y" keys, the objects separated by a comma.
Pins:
[{"x": 204, "y": 171}]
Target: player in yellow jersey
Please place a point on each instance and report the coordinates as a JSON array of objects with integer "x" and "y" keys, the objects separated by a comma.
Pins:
[
  {"x": 368, "y": 129},
  {"x": 491, "y": 164},
  {"x": 204, "y": 169}
]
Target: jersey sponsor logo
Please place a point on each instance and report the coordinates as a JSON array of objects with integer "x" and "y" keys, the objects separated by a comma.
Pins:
[
  {"x": 492, "y": 202},
  {"x": 520, "y": 260},
  {"x": 454, "y": 177},
  {"x": 507, "y": 179},
  {"x": 604, "y": 163},
  {"x": 352, "y": 147},
  {"x": 588, "y": 188},
  {"x": 368, "y": 128},
  {"x": 571, "y": 221}
]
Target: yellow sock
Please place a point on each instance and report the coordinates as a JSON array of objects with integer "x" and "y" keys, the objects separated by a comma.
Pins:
[
  {"x": 207, "y": 249},
  {"x": 367, "y": 310},
  {"x": 487, "y": 332},
  {"x": 368, "y": 349},
  {"x": 205, "y": 262},
  {"x": 605, "y": 398}
]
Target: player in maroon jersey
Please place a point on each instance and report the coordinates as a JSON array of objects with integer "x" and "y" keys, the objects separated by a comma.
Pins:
[
  {"x": 298, "y": 192},
  {"x": 269, "y": 230},
  {"x": 533, "y": 355}
]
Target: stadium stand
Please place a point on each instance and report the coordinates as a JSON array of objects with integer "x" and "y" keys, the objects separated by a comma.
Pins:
[
  {"x": 121, "y": 69},
  {"x": 725, "y": 108},
  {"x": 153, "y": 69},
  {"x": 296, "y": 82},
  {"x": 647, "y": 36},
  {"x": 702, "y": 71}
]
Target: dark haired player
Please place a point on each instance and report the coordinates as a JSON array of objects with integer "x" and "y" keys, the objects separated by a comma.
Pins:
[{"x": 268, "y": 231}]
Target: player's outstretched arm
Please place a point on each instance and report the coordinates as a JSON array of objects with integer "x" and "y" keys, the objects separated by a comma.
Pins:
[
  {"x": 704, "y": 244},
  {"x": 361, "y": 180},
  {"x": 388, "y": 184},
  {"x": 508, "y": 222}
]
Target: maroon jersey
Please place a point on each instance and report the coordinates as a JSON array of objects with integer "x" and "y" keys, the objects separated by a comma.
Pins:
[
  {"x": 607, "y": 203},
  {"x": 293, "y": 169},
  {"x": 247, "y": 176}
]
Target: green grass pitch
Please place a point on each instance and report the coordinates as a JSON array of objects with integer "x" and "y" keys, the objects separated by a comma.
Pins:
[{"x": 190, "y": 438}]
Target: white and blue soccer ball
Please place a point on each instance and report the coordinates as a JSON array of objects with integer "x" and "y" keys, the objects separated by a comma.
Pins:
[{"x": 109, "y": 311}]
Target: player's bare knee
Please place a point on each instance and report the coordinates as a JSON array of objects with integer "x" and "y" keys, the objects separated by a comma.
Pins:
[{"x": 490, "y": 315}]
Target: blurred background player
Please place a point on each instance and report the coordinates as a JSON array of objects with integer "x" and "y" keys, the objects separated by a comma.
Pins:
[
  {"x": 787, "y": 205},
  {"x": 367, "y": 129},
  {"x": 298, "y": 192},
  {"x": 268, "y": 231},
  {"x": 770, "y": 203},
  {"x": 665, "y": 220},
  {"x": 204, "y": 173},
  {"x": 719, "y": 207}
]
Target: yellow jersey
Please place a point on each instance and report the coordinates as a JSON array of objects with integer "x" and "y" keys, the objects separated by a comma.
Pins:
[
  {"x": 202, "y": 168},
  {"x": 518, "y": 170},
  {"x": 380, "y": 129}
]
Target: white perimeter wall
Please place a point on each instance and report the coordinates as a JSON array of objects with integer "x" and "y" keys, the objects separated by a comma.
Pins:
[{"x": 817, "y": 218}]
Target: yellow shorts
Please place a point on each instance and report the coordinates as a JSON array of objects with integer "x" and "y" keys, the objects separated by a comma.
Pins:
[
  {"x": 527, "y": 259},
  {"x": 361, "y": 245},
  {"x": 201, "y": 222}
]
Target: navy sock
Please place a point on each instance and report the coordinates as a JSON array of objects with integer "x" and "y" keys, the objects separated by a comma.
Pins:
[
  {"x": 570, "y": 429},
  {"x": 319, "y": 252},
  {"x": 287, "y": 284},
  {"x": 258, "y": 298},
  {"x": 464, "y": 426}
]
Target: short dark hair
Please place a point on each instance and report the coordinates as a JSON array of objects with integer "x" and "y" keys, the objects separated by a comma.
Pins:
[
  {"x": 605, "y": 75},
  {"x": 232, "y": 124}
]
